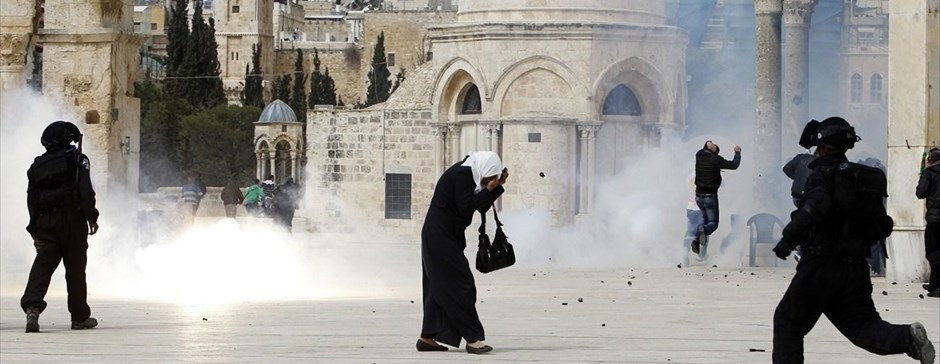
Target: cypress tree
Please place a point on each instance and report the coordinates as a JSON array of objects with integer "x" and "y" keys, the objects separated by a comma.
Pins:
[
  {"x": 215, "y": 93},
  {"x": 316, "y": 82},
  {"x": 282, "y": 88},
  {"x": 329, "y": 88},
  {"x": 177, "y": 45},
  {"x": 253, "y": 93},
  {"x": 299, "y": 98},
  {"x": 204, "y": 89},
  {"x": 379, "y": 83}
]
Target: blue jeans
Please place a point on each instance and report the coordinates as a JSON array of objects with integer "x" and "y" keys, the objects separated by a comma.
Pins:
[
  {"x": 694, "y": 220},
  {"x": 708, "y": 204}
]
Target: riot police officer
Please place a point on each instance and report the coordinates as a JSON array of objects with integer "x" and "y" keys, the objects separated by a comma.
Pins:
[
  {"x": 841, "y": 215},
  {"x": 62, "y": 214}
]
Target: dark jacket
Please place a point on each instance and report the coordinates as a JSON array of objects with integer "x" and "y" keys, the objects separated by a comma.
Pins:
[
  {"x": 821, "y": 221},
  {"x": 231, "y": 195},
  {"x": 798, "y": 170},
  {"x": 929, "y": 188},
  {"x": 708, "y": 168},
  {"x": 59, "y": 182}
]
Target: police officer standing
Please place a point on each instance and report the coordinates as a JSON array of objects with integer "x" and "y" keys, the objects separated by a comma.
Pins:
[
  {"x": 841, "y": 215},
  {"x": 62, "y": 214}
]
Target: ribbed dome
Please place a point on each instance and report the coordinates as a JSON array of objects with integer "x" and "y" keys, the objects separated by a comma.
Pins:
[
  {"x": 580, "y": 11},
  {"x": 277, "y": 112}
]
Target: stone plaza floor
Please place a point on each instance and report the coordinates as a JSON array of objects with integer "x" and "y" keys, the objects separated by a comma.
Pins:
[{"x": 698, "y": 314}]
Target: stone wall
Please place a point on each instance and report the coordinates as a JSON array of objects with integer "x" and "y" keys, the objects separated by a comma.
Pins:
[
  {"x": 405, "y": 36},
  {"x": 343, "y": 60},
  {"x": 350, "y": 154}
]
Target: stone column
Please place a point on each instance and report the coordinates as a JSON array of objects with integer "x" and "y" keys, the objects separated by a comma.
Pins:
[
  {"x": 453, "y": 143},
  {"x": 796, "y": 20},
  {"x": 440, "y": 147},
  {"x": 587, "y": 133},
  {"x": 273, "y": 163},
  {"x": 767, "y": 114},
  {"x": 295, "y": 163},
  {"x": 913, "y": 127},
  {"x": 492, "y": 130},
  {"x": 259, "y": 167},
  {"x": 17, "y": 31}
]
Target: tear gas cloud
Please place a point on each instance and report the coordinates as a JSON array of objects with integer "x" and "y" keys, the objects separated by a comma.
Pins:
[{"x": 214, "y": 261}]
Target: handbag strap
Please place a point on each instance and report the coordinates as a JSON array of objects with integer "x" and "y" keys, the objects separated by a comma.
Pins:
[
  {"x": 482, "y": 229},
  {"x": 495, "y": 215}
]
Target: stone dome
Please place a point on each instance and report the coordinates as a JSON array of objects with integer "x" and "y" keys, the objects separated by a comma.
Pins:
[
  {"x": 277, "y": 112},
  {"x": 583, "y": 11}
]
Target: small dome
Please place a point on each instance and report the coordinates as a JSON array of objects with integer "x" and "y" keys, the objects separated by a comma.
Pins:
[{"x": 277, "y": 112}]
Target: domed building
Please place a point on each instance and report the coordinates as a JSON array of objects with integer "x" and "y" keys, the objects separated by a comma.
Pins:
[
  {"x": 560, "y": 88},
  {"x": 279, "y": 143}
]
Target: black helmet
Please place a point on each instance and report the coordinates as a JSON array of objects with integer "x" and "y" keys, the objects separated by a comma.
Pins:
[
  {"x": 60, "y": 134},
  {"x": 834, "y": 131}
]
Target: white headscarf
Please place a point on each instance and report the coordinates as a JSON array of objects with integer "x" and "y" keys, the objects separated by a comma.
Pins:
[{"x": 482, "y": 165}]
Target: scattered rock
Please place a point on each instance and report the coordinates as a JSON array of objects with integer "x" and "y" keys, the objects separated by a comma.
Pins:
[
  {"x": 894, "y": 283},
  {"x": 884, "y": 293},
  {"x": 542, "y": 174},
  {"x": 921, "y": 296},
  {"x": 726, "y": 276},
  {"x": 533, "y": 274},
  {"x": 714, "y": 266},
  {"x": 564, "y": 303},
  {"x": 603, "y": 325},
  {"x": 205, "y": 319},
  {"x": 756, "y": 350},
  {"x": 629, "y": 283},
  {"x": 679, "y": 265},
  {"x": 602, "y": 281},
  {"x": 752, "y": 273},
  {"x": 413, "y": 301},
  {"x": 580, "y": 299}
]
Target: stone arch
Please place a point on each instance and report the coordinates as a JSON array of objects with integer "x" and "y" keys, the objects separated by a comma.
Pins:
[
  {"x": 283, "y": 160},
  {"x": 643, "y": 79},
  {"x": 291, "y": 143},
  {"x": 531, "y": 64},
  {"x": 452, "y": 83},
  {"x": 262, "y": 142}
]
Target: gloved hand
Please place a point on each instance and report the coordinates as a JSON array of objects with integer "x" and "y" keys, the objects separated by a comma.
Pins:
[{"x": 783, "y": 249}]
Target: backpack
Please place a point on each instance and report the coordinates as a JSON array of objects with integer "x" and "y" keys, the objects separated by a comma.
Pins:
[{"x": 859, "y": 218}]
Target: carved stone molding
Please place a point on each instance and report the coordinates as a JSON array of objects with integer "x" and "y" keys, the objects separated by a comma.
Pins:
[{"x": 13, "y": 49}]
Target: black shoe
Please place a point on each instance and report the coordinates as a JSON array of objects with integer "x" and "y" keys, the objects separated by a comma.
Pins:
[
  {"x": 89, "y": 323},
  {"x": 921, "y": 348},
  {"x": 480, "y": 350},
  {"x": 423, "y": 346},
  {"x": 695, "y": 246},
  {"x": 934, "y": 293},
  {"x": 926, "y": 287},
  {"x": 32, "y": 320}
]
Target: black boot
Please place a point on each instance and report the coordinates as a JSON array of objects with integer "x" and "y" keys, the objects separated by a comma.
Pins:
[
  {"x": 32, "y": 320},
  {"x": 88, "y": 323},
  {"x": 921, "y": 348}
]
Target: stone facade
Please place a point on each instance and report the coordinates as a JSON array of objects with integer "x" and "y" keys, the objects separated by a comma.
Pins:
[
  {"x": 239, "y": 25},
  {"x": 509, "y": 76},
  {"x": 343, "y": 59},
  {"x": 913, "y": 127},
  {"x": 19, "y": 24},
  {"x": 405, "y": 37}
]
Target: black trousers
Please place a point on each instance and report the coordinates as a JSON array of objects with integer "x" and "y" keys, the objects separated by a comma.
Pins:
[
  {"x": 932, "y": 245},
  {"x": 841, "y": 290},
  {"x": 66, "y": 240}
]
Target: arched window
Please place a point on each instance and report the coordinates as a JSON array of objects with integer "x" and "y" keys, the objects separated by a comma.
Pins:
[
  {"x": 622, "y": 101},
  {"x": 471, "y": 101},
  {"x": 856, "y": 88},
  {"x": 875, "y": 88}
]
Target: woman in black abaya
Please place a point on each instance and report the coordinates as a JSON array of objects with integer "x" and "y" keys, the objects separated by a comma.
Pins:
[{"x": 450, "y": 294}]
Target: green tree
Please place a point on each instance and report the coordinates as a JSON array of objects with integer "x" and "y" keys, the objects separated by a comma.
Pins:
[
  {"x": 253, "y": 93},
  {"x": 329, "y": 88},
  {"x": 220, "y": 142},
  {"x": 177, "y": 46},
  {"x": 399, "y": 78},
  {"x": 316, "y": 82},
  {"x": 379, "y": 83},
  {"x": 299, "y": 97},
  {"x": 282, "y": 88},
  {"x": 203, "y": 88},
  {"x": 160, "y": 154}
]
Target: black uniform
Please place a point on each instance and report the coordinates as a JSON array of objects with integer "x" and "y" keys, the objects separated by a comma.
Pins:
[
  {"x": 833, "y": 277},
  {"x": 285, "y": 204},
  {"x": 929, "y": 188},
  {"x": 61, "y": 205},
  {"x": 449, "y": 290}
]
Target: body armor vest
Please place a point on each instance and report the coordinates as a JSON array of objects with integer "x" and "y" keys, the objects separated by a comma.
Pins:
[
  {"x": 54, "y": 180},
  {"x": 857, "y": 217}
]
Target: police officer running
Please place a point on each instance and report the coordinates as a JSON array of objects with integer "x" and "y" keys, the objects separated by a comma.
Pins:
[
  {"x": 62, "y": 214},
  {"x": 841, "y": 215}
]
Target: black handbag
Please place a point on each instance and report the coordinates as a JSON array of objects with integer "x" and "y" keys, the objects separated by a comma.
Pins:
[{"x": 498, "y": 254}]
